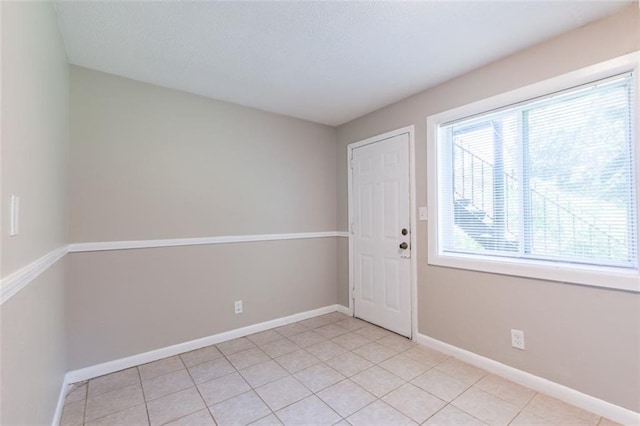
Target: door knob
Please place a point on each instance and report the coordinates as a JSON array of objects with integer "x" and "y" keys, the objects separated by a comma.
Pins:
[{"x": 404, "y": 246}]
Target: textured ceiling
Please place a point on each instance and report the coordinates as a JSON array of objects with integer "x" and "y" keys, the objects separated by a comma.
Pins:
[{"x": 328, "y": 62}]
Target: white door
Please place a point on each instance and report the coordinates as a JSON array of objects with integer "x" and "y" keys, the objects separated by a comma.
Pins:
[{"x": 381, "y": 233}]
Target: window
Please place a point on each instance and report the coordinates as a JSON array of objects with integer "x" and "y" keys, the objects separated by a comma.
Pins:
[{"x": 546, "y": 183}]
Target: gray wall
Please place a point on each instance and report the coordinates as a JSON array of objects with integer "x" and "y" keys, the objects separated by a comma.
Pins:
[
  {"x": 33, "y": 350},
  {"x": 343, "y": 271},
  {"x": 149, "y": 162},
  {"x": 35, "y": 91},
  {"x": 125, "y": 302},
  {"x": 582, "y": 337},
  {"x": 34, "y": 152},
  {"x": 152, "y": 163}
]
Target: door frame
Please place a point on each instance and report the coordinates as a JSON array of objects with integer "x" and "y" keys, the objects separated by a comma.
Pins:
[{"x": 413, "y": 269}]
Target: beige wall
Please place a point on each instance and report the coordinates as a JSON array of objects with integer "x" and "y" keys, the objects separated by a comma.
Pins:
[
  {"x": 343, "y": 271},
  {"x": 585, "y": 338},
  {"x": 125, "y": 302},
  {"x": 34, "y": 151},
  {"x": 33, "y": 354},
  {"x": 149, "y": 162},
  {"x": 34, "y": 131},
  {"x": 153, "y": 163}
]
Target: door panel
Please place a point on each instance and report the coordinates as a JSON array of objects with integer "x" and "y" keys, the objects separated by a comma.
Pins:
[
  {"x": 390, "y": 211},
  {"x": 380, "y": 194},
  {"x": 366, "y": 211},
  {"x": 366, "y": 283},
  {"x": 392, "y": 285}
]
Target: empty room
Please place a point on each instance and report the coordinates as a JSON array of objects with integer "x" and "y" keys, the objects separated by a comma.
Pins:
[{"x": 319, "y": 212}]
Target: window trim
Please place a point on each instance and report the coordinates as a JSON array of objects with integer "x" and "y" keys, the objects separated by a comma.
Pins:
[{"x": 598, "y": 276}]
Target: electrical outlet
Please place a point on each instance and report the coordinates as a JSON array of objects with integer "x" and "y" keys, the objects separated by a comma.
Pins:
[
  {"x": 238, "y": 306},
  {"x": 517, "y": 339}
]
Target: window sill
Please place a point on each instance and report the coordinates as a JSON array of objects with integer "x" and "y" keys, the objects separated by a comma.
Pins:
[{"x": 605, "y": 277}]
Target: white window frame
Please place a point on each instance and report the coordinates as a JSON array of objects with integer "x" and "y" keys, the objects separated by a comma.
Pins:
[{"x": 598, "y": 276}]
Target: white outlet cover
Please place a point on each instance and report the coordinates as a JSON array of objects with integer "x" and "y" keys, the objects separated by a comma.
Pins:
[{"x": 517, "y": 339}]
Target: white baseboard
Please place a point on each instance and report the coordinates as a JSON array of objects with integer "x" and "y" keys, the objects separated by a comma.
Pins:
[
  {"x": 143, "y": 358},
  {"x": 343, "y": 309},
  {"x": 556, "y": 390},
  {"x": 57, "y": 415}
]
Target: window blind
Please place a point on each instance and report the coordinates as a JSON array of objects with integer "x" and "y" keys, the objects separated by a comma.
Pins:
[{"x": 552, "y": 178}]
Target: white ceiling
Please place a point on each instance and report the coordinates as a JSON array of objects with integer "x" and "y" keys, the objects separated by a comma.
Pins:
[{"x": 328, "y": 62}]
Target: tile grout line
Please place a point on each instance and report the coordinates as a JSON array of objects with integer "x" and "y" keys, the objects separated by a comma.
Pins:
[
  {"x": 488, "y": 393},
  {"x": 144, "y": 397},
  {"x": 289, "y": 374},
  {"x": 330, "y": 407},
  {"x": 189, "y": 372},
  {"x": 257, "y": 394},
  {"x": 523, "y": 407},
  {"x": 379, "y": 398},
  {"x": 86, "y": 402},
  {"x": 321, "y": 323},
  {"x": 545, "y": 418},
  {"x": 315, "y": 394},
  {"x": 409, "y": 382},
  {"x": 346, "y": 378},
  {"x": 469, "y": 387},
  {"x": 366, "y": 369},
  {"x": 195, "y": 385},
  {"x": 197, "y": 388},
  {"x": 292, "y": 375},
  {"x": 115, "y": 412},
  {"x": 253, "y": 388}
]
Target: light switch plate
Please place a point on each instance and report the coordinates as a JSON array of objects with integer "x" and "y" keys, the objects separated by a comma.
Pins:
[
  {"x": 422, "y": 213},
  {"x": 14, "y": 215}
]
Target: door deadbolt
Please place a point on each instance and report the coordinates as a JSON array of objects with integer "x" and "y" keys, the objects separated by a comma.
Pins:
[
  {"x": 404, "y": 231},
  {"x": 404, "y": 246}
]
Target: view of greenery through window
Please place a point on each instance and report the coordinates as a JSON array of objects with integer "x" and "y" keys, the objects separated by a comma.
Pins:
[{"x": 549, "y": 179}]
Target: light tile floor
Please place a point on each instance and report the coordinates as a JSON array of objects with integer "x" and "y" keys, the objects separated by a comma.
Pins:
[{"x": 331, "y": 369}]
